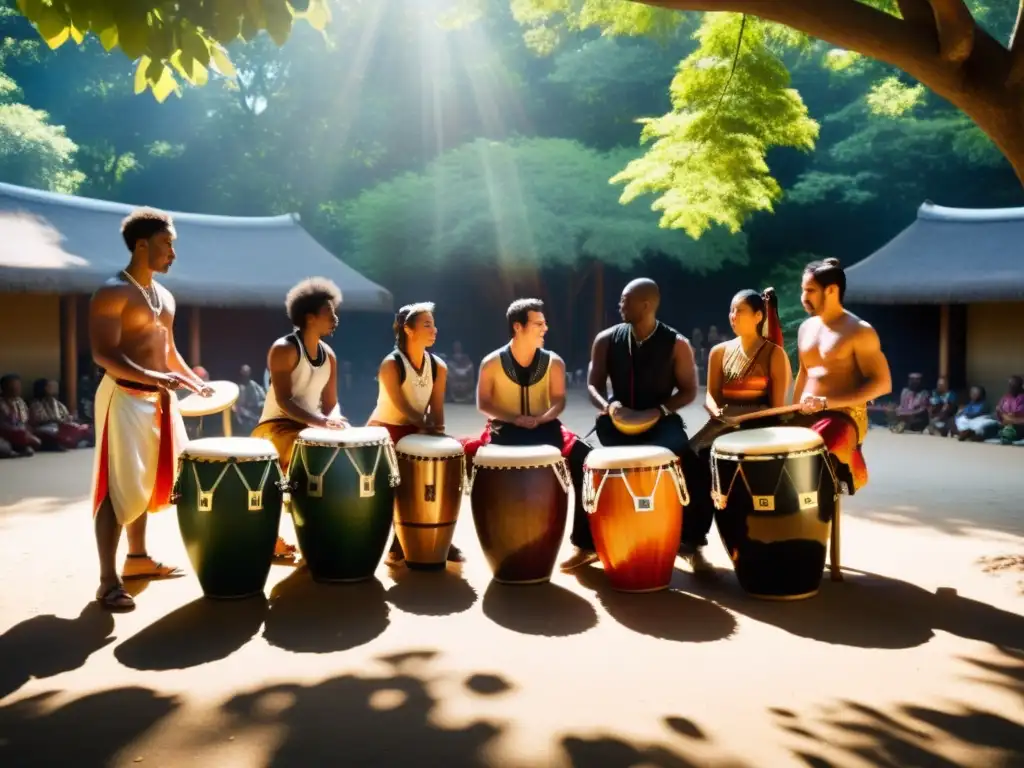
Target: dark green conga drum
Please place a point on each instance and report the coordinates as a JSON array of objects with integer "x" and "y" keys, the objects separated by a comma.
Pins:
[
  {"x": 228, "y": 494},
  {"x": 342, "y": 500}
]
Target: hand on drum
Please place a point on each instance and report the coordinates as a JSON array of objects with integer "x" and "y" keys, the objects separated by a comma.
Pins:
[
  {"x": 812, "y": 404},
  {"x": 336, "y": 424},
  {"x": 526, "y": 422},
  {"x": 173, "y": 381}
]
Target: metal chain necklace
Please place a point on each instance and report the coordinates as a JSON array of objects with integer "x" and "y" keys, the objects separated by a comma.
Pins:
[{"x": 154, "y": 301}]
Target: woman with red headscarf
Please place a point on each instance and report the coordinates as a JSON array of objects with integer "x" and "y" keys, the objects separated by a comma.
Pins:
[{"x": 750, "y": 372}]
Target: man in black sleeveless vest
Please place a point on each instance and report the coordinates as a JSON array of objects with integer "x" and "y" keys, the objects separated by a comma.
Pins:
[{"x": 652, "y": 368}]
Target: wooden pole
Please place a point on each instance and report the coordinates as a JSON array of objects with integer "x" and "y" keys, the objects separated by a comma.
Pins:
[
  {"x": 944, "y": 340},
  {"x": 70, "y": 349},
  {"x": 194, "y": 338}
]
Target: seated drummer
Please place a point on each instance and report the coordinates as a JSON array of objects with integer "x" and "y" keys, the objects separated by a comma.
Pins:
[
  {"x": 748, "y": 373},
  {"x": 411, "y": 386},
  {"x": 303, "y": 388},
  {"x": 521, "y": 390},
  {"x": 653, "y": 375},
  {"x": 842, "y": 369}
]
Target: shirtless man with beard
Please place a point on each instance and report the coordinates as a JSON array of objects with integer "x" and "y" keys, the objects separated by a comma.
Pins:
[{"x": 842, "y": 369}]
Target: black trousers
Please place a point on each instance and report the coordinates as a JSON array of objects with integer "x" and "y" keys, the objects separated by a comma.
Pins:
[{"x": 670, "y": 433}]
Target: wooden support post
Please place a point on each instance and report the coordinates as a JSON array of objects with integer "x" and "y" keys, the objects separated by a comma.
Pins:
[
  {"x": 69, "y": 305},
  {"x": 944, "y": 341},
  {"x": 194, "y": 339},
  {"x": 835, "y": 568}
]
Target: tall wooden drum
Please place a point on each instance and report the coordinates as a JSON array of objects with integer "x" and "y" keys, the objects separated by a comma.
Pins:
[
  {"x": 635, "y": 497},
  {"x": 433, "y": 471},
  {"x": 228, "y": 493},
  {"x": 343, "y": 497},
  {"x": 776, "y": 494},
  {"x": 520, "y": 499}
]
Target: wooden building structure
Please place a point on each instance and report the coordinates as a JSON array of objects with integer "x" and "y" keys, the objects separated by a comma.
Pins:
[
  {"x": 947, "y": 295},
  {"x": 229, "y": 282}
]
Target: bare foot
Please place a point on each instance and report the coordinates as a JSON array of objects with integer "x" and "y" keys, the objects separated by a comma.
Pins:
[{"x": 578, "y": 559}]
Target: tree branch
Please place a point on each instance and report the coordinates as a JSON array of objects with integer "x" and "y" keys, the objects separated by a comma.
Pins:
[
  {"x": 917, "y": 12},
  {"x": 858, "y": 27},
  {"x": 956, "y": 29},
  {"x": 1017, "y": 49}
]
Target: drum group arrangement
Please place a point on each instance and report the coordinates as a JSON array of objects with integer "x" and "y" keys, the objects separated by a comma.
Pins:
[{"x": 774, "y": 490}]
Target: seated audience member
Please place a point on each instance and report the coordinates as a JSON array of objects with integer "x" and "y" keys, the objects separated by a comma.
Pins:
[
  {"x": 971, "y": 420},
  {"x": 912, "y": 411},
  {"x": 249, "y": 405},
  {"x": 14, "y": 427},
  {"x": 941, "y": 408},
  {"x": 49, "y": 417},
  {"x": 1008, "y": 421}
]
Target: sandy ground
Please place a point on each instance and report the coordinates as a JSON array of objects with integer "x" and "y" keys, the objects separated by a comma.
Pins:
[{"x": 915, "y": 660}]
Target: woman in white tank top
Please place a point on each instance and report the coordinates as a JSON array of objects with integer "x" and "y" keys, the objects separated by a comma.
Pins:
[{"x": 411, "y": 384}]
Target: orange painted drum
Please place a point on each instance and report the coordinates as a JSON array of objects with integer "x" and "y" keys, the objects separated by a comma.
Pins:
[{"x": 634, "y": 497}]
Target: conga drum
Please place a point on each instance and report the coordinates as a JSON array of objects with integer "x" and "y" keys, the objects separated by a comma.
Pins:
[
  {"x": 342, "y": 499},
  {"x": 228, "y": 493},
  {"x": 432, "y": 469},
  {"x": 634, "y": 497},
  {"x": 776, "y": 493},
  {"x": 520, "y": 501}
]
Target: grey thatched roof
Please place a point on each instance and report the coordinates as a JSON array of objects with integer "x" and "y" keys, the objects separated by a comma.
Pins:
[
  {"x": 947, "y": 256},
  {"x": 60, "y": 243}
]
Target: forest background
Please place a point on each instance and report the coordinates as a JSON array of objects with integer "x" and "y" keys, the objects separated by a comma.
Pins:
[{"x": 472, "y": 151}]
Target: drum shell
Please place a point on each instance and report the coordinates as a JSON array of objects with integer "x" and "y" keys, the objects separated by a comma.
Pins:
[
  {"x": 777, "y": 553},
  {"x": 520, "y": 516},
  {"x": 230, "y": 547},
  {"x": 425, "y": 524},
  {"x": 342, "y": 535},
  {"x": 637, "y": 549}
]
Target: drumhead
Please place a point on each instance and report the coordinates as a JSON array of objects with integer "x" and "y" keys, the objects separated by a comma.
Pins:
[
  {"x": 629, "y": 457},
  {"x": 429, "y": 446},
  {"x": 225, "y": 393},
  {"x": 767, "y": 440},
  {"x": 224, "y": 448},
  {"x": 516, "y": 456},
  {"x": 345, "y": 437}
]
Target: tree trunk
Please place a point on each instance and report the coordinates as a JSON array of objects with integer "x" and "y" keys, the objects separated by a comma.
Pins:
[
  {"x": 598, "y": 298},
  {"x": 947, "y": 52}
]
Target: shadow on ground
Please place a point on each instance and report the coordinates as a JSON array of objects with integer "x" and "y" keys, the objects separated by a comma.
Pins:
[
  {"x": 44, "y": 646},
  {"x": 88, "y": 731},
  {"x": 867, "y": 610},
  {"x": 912, "y": 734},
  {"x": 199, "y": 632},
  {"x": 667, "y": 615},
  {"x": 538, "y": 609},
  {"x": 431, "y": 593}
]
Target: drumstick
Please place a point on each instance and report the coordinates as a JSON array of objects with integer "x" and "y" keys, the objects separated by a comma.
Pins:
[{"x": 780, "y": 410}]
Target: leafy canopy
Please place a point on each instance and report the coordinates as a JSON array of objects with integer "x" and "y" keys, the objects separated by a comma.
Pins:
[
  {"x": 171, "y": 40},
  {"x": 521, "y": 205}
]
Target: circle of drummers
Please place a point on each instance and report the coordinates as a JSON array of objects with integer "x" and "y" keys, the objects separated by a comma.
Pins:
[{"x": 768, "y": 472}]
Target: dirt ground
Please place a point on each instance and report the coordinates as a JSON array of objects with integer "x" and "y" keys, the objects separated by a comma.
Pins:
[{"x": 915, "y": 660}]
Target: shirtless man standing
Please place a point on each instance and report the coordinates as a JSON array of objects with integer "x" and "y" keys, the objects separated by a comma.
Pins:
[
  {"x": 131, "y": 321},
  {"x": 842, "y": 368},
  {"x": 303, "y": 388}
]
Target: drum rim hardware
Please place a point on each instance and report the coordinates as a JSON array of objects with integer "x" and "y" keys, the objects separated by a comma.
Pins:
[
  {"x": 720, "y": 500},
  {"x": 315, "y": 482},
  {"x": 204, "y": 499},
  {"x": 560, "y": 467},
  {"x": 641, "y": 504},
  {"x": 430, "y": 490}
]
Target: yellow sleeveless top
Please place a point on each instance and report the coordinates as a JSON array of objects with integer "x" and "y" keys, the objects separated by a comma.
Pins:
[{"x": 524, "y": 391}]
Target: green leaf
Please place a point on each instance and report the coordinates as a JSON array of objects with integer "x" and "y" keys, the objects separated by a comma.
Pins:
[
  {"x": 108, "y": 38},
  {"x": 165, "y": 85},
  {"x": 318, "y": 16},
  {"x": 279, "y": 20},
  {"x": 140, "y": 74},
  {"x": 220, "y": 60},
  {"x": 53, "y": 26},
  {"x": 132, "y": 29}
]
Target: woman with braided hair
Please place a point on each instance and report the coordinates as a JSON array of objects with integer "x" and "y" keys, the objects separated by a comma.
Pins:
[
  {"x": 748, "y": 373},
  {"x": 410, "y": 397}
]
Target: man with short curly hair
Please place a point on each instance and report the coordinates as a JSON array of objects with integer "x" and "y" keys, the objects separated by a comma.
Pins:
[
  {"x": 303, "y": 388},
  {"x": 139, "y": 431}
]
